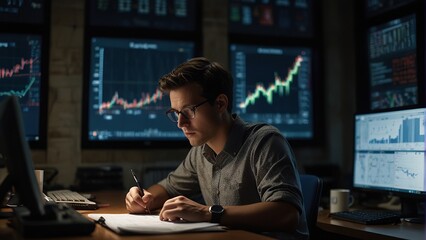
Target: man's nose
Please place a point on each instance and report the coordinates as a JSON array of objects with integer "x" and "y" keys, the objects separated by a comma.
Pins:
[{"x": 182, "y": 121}]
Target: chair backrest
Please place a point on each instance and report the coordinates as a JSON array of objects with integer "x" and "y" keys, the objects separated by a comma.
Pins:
[{"x": 311, "y": 190}]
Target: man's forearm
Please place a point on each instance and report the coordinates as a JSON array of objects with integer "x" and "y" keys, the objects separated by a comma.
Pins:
[
  {"x": 160, "y": 196},
  {"x": 263, "y": 216}
]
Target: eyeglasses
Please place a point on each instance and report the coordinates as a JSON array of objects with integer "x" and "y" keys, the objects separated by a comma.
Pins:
[{"x": 187, "y": 112}]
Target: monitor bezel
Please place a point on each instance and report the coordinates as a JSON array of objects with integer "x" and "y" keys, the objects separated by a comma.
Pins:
[{"x": 395, "y": 191}]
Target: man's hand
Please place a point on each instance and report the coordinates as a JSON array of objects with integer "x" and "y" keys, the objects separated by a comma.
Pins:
[
  {"x": 137, "y": 204},
  {"x": 183, "y": 209}
]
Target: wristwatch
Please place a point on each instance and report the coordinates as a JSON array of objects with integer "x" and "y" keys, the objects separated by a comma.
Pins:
[{"x": 217, "y": 212}]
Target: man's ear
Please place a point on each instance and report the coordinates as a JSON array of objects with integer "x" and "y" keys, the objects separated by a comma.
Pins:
[{"x": 222, "y": 103}]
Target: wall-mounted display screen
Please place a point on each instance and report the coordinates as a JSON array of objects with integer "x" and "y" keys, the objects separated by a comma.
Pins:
[
  {"x": 124, "y": 103},
  {"x": 393, "y": 63},
  {"x": 21, "y": 75},
  {"x": 274, "y": 85}
]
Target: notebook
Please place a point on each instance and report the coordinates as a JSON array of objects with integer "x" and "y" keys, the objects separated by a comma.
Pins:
[{"x": 149, "y": 224}]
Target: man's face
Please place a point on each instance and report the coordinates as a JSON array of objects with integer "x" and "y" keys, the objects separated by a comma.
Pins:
[{"x": 203, "y": 127}]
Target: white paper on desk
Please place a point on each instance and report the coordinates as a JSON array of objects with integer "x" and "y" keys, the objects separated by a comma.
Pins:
[{"x": 151, "y": 224}]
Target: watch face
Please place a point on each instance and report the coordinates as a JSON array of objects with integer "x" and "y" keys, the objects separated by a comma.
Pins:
[{"x": 216, "y": 209}]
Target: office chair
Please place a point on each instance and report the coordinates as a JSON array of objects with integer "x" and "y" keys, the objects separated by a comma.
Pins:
[{"x": 311, "y": 190}]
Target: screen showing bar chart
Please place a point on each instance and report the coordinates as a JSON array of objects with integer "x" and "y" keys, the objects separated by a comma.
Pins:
[{"x": 390, "y": 150}]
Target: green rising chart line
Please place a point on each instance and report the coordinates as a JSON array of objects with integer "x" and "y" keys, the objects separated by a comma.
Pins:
[
  {"x": 15, "y": 72},
  {"x": 280, "y": 86},
  {"x": 19, "y": 93}
]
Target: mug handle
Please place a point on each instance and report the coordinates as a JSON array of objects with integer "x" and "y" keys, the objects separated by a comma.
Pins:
[{"x": 351, "y": 200}]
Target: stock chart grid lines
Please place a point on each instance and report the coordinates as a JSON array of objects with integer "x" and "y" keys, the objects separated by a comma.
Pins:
[
  {"x": 390, "y": 150},
  {"x": 125, "y": 102}
]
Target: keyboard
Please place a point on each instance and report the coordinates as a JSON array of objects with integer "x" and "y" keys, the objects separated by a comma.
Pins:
[
  {"x": 73, "y": 199},
  {"x": 368, "y": 217}
]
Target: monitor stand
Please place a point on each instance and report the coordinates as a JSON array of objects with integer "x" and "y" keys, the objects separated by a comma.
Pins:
[
  {"x": 58, "y": 220},
  {"x": 410, "y": 210},
  {"x": 5, "y": 187}
]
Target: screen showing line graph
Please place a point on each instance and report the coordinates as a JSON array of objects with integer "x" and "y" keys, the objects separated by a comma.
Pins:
[
  {"x": 390, "y": 151},
  {"x": 124, "y": 102},
  {"x": 393, "y": 63},
  {"x": 20, "y": 75},
  {"x": 273, "y": 85}
]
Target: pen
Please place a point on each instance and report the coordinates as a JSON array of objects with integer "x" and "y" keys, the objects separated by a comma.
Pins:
[
  {"x": 137, "y": 182},
  {"x": 140, "y": 188}
]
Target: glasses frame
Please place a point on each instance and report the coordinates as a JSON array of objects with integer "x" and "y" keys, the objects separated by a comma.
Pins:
[{"x": 192, "y": 108}]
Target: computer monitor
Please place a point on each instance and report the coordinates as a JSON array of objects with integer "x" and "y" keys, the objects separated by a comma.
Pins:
[
  {"x": 22, "y": 11},
  {"x": 389, "y": 154},
  {"x": 124, "y": 107},
  {"x": 274, "y": 85},
  {"x": 36, "y": 218},
  {"x": 22, "y": 74},
  {"x": 15, "y": 152},
  {"x": 392, "y": 60},
  {"x": 271, "y": 18},
  {"x": 176, "y": 15}
]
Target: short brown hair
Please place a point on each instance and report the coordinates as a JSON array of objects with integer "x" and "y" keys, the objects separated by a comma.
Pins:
[{"x": 211, "y": 76}]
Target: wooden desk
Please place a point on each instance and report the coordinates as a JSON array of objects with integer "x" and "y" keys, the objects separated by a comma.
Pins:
[
  {"x": 403, "y": 230},
  {"x": 115, "y": 199}
]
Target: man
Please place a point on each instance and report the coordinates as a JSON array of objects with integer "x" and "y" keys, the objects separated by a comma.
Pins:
[{"x": 245, "y": 172}]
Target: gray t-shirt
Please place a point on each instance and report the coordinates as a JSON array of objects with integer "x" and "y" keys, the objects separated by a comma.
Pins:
[{"x": 256, "y": 165}]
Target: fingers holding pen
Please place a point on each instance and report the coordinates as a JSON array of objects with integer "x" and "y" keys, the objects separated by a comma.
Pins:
[
  {"x": 147, "y": 200},
  {"x": 136, "y": 202}
]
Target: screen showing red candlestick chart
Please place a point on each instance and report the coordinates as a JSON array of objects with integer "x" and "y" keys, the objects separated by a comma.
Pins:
[
  {"x": 21, "y": 75},
  {"x": 124, "y": 103},
  {"x": 273, "y": 85}
]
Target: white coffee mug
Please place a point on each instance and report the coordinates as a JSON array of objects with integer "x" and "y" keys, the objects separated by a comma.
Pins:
[
  {"x": 340, "y": 200},
  {"x": 39, "y": 176}
]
